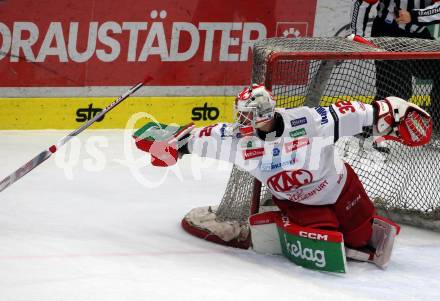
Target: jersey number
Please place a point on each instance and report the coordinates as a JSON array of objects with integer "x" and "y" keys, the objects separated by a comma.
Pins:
[{"x": 345, "y": 106}]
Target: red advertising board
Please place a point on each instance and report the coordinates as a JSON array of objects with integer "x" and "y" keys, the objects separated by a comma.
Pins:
[{"x": 79, "y": 43}]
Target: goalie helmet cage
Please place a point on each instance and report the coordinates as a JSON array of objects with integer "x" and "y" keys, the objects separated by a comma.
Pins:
[{"x": 403, "y": 182}]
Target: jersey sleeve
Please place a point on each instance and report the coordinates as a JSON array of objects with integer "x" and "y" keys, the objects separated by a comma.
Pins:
[
  {"x": 344, "y": 118},
  {"x": 426, "y": 16},
  {"x": 214, "y": 141},
  {"x": 360, "y": 12}
]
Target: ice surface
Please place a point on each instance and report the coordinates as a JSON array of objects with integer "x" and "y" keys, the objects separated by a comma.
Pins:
[{"x": 104, "y": 225}]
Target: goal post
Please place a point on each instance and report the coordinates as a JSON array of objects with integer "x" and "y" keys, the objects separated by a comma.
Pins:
[{"x": 403, "y": 182}]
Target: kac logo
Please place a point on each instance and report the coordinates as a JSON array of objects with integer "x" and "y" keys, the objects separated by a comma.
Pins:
[
  {"x": 85, "y": 114},
  {"x": 287, "y": 180},
  {"x": 205, "y": 113}
]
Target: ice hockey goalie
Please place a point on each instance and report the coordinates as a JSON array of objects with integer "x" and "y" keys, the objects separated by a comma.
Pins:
[{"x": 292, "y": 152}]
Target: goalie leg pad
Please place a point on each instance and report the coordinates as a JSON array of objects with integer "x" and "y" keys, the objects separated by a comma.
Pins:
[
  {"x": 307, "y": 247},
  {"x": 380, "y": 246},
  {"x": 382, "y": 240},
  {"x": 264, "y": 232}
]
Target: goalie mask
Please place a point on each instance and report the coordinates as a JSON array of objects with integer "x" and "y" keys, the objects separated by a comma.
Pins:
[{"x": 253, "y": 108}]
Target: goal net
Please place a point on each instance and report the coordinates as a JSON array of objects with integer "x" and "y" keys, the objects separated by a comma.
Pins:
[{"x": 403, "y": 182}]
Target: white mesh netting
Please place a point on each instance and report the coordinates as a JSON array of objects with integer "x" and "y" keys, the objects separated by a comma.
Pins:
[{"x": 404, "y": 182}]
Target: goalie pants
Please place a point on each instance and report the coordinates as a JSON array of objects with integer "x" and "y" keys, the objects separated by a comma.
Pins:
[{"x": 352, "y": 214}]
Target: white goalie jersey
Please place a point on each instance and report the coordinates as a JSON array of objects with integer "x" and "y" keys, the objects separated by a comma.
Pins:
[{"x": 298, "y": 162}]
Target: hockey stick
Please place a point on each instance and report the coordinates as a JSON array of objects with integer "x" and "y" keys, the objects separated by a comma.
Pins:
[
  {"x": 319, "y": 83},
  {"x": 44, "y": 155},
  {"x": 325, "y": 69}
]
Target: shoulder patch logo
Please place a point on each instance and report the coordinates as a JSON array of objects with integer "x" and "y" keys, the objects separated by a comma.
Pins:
[
  {"x": 298, "y": 121},
  {"x": 298, "y": 133},
  {"x": 249, "y": 142},
  {"x": 296, "y": 144},
  {"x": 321, "y": 111},
  {"x": 253, "y": 153}
]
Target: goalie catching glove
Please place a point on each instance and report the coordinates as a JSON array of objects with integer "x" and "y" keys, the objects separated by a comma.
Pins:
[
  {"x": 162, "y": 141},
  {"x": 405, "y": 122}
]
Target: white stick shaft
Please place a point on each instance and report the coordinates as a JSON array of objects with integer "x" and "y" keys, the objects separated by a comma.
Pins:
[
  {"x": 34, "y": 162},
  {"x": 44, "y": 155}
]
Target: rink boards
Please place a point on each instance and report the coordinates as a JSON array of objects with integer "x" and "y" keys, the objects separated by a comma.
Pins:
[{"x": 70, "y": 113}]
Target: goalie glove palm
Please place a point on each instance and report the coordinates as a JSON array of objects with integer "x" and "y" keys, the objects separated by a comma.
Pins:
[{"x": 399, "y": 120}]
